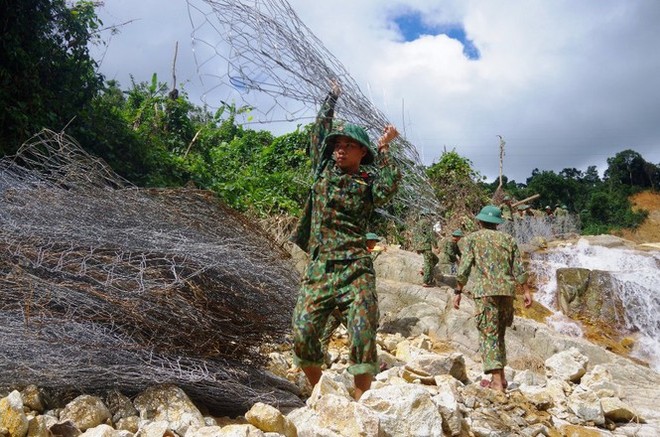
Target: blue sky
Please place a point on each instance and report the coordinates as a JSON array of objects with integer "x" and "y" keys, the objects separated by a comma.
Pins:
[
  {"x": 567, "y": 83},
  {"x": 412, "y": 27}
]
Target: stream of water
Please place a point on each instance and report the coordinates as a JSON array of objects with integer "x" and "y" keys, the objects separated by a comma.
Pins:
[{"x": 636, "y": 276}]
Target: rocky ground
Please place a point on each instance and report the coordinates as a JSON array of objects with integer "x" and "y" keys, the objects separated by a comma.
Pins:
[{"x": 429, "y": 385}]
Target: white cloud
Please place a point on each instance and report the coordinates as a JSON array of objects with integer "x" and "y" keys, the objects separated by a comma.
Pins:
[{"x": 567, "y": 83}]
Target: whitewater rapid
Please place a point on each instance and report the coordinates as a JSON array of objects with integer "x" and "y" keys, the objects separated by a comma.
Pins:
[{"x": 636, "y": 277}]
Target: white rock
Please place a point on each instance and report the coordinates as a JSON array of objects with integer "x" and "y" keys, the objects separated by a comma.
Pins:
[
  {"x": 568, "y": 365},
  {"x": 414, "y": 403}
]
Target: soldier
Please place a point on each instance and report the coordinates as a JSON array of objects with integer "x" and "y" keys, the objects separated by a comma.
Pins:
[
  {"x": 491, "y": 259},
  {"x": 560, "y": 210},
  {"x": 548, "y": 212},
  {"x": 336, "y": 318},
  {"x": 506, "y": 208},
  {"x": 424, "y": 242},
  {"x": 340, "y": 272},
  {"x": 372, "y": 245},
  {"x": 450, "y": 253}
]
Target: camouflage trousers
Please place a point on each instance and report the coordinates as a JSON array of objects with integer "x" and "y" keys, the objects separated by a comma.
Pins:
[
  {"x": 335, "y": 319},
  {"x": 350, "y": 287},
  {"x": 493, "y": 315},
  {"x": 430, "y": 260}
]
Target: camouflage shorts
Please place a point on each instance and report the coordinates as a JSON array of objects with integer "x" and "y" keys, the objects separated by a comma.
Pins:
[
  {"x": 493, "y": 314},
  {"x": 350, "y": 287}
]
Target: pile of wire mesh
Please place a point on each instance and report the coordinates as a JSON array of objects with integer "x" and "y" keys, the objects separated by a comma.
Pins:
[
  {"x": 262, "y": 52},
  {"x": 104, "y": 285}
]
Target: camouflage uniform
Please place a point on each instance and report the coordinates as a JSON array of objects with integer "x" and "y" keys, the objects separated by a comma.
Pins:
[
  {"x": 492, "y": 261},
  {"x": 423, "y": 242},
  {"x": 507, "y": 211},
  {"x": 332, "y": 230},
  {"x": 337, "y": 318},
  {"x": 449, "y": 254}
]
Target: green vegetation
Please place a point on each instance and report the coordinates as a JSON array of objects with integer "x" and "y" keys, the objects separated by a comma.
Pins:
[{"x": 155, "y": 137}]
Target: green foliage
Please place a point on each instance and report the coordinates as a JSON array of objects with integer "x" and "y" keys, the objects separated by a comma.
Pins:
[
  {"x": 629, "y": 168},
  {"x": 457, "y": 185},
  {"x": 46, "y": 75}
]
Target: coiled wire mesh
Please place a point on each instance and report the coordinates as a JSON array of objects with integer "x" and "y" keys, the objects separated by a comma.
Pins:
[
  {"x": 105, "y": 285},
  {"x": 263, "y": 51}
]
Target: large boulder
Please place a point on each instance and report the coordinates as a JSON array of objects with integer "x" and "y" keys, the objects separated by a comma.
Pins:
[{"x": 589, "y": 295}]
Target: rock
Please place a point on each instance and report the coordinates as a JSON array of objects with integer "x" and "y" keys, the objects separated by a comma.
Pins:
[
  {"x": 599, "y": 380},
  {"x": 327, "y": 385},
  {"x": 39, "y": 426},
  {"x": 269, "y": 419},
  {"x": 392, "y": 403},
  {"x": 616, "y": 410},
  {"x": 170, "y": 404},
  {"x": 440, "y": 364},
  {"x": 589, "y": 295},
  {"x": 568, "y": 365},
  {"x": 157, "y": 428},
  {"x": 102, "y": 430},
  {"x": 85, "y": 412},
  {"x": 586, "y": 405},
  {"x": 120, "y": 406},
  {"x": 335, "y": 415},
  {"x": 12, "y": 416},
  {"x": 32, "y": 398}
]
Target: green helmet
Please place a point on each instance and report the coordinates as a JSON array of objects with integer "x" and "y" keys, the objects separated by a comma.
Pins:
[
  {"x": 457, "y": 233},
  {"x": 372, "y": 236},
  {"x": 354, "y": 132},
  {"x": 506, "y": 198},
  {"x": 490, "y": 214},
  {"x": 523, "y": 207}
]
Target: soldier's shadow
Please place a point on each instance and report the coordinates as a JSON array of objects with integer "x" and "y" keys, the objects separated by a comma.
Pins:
[{"x": 403, "y": 326}]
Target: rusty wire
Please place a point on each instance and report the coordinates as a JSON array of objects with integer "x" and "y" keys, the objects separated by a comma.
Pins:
[
  {"x": 102, "y": 283},
  {"x": 261, "y": 52}
]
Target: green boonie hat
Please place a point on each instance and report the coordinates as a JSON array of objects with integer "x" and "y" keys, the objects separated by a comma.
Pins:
[
  {"x": 372, "y": 236},
  {"x": 355, "y": 132},
  {"x": 490, "y": 214},
  {"x": 564, "y": 207},
  {"x": 457, "y": 233}
]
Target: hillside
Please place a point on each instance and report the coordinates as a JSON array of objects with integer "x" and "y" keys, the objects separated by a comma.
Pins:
[{"x": 649, "y": 231}]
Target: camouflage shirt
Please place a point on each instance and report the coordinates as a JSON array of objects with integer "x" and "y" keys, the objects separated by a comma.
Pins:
[
  {"x": 492, "y": 261},
  {"x": 423, "y": 237},
  {"x": 449, "y": 251},
  {"x": 335, "y": 217}
]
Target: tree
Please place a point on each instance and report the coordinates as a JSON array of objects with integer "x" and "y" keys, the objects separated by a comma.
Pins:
[
  {"x": 46, "y": 73},
  {"x": 457, "y": 184},
  {"x": 628, "y": 168}
]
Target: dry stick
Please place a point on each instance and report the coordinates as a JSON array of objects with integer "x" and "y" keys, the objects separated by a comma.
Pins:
[
  {"x": 502, "y": 143},
  {"x": 527, "y": 199},
  {"x": 176, "y": 50}
]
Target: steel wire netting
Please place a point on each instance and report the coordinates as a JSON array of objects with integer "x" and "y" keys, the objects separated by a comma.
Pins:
[
  {"x": 105, "y": 284},
  {"x": 261, "y": 53}
]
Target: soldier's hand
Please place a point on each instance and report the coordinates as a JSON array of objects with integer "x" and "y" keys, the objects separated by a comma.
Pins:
[
  {"x": 335, "y": 86},
  {"x": 528, "y": 299},
  {"x": 389, "y": 134}
]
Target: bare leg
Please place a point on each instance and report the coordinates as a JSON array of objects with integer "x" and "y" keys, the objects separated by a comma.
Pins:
[
  {"x": 498, "y": 381},
  {"x": 362, "y": 384},
  {"x": 313, "y": 374}
]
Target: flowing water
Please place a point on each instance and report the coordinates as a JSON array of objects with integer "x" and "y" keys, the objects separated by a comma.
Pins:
[{"x": 636, "y": 276}]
